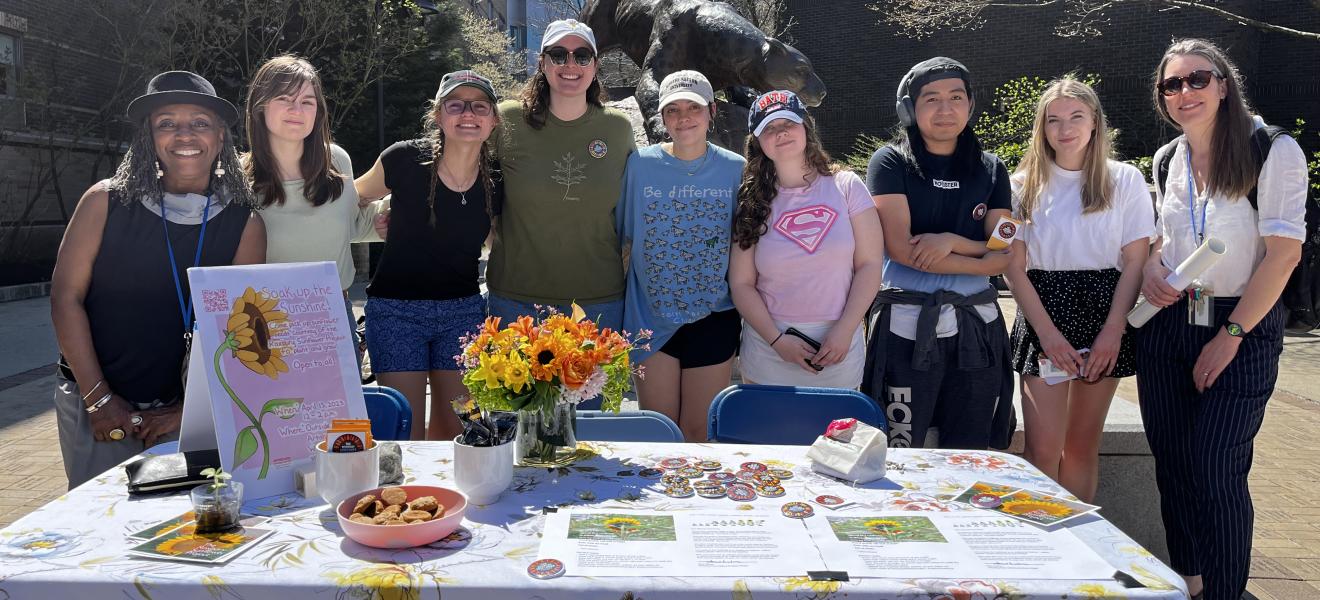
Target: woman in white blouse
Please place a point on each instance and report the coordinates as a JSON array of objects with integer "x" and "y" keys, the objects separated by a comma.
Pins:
[
  {"x": 1207, "y": 363},
  {"x": 1075, "y": 275}
]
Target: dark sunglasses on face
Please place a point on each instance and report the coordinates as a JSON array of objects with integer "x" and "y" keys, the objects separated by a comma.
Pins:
[
  {"x": 559, "y": 56},
  {"x": 481, "y": 108},
  {"x": 1196, "y": 80}
]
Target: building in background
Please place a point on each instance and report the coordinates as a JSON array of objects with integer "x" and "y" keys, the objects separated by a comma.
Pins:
[{"x": 60, "y": 132}]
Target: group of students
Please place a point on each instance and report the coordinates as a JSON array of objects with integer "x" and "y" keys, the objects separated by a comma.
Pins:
[{"x": 807, "y": 272}]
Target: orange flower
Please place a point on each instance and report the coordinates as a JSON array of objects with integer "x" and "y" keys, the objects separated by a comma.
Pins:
[
  {"x": 526, "y": 327},
  {"x": 491, "y": 326},
  {"x": 575, "y": 368}
]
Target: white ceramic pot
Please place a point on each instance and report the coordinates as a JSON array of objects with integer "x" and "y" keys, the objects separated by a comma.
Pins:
[
  {"x": 483, "y": 472},
  {"x": 341, "y": 474}
]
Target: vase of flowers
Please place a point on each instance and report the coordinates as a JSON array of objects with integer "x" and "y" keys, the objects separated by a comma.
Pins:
[
  {"x": 217, "y": 504},
  {"x": 542, "y": 369}
]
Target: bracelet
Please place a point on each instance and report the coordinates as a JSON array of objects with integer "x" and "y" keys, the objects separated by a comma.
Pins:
[
  {"x": 99, "y": 403},
  {"x": 92, "y": 391},
  {"x": 781, "y": 334}
]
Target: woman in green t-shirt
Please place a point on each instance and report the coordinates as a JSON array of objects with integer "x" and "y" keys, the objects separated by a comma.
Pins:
[{"x": 562, "y": 155}]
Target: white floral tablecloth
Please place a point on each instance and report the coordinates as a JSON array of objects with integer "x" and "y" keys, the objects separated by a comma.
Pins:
[{"x": 74, "y": 547}]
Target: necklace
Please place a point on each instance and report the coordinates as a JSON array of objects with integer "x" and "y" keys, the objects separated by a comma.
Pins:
[
  {"x": 704, "y": 155},
  {"x": 462, "y": 191}
]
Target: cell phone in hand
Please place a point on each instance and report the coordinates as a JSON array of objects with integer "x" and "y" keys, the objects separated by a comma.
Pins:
[{"x": 815, "y": 345}]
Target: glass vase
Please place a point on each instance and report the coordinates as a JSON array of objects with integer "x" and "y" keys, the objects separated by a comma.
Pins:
[{"x": 547, "y": 438}]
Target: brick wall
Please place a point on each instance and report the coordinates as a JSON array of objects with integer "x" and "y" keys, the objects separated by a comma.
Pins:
[
  {"x": 73, "y": 90},
  {"x": 862, "y": 59}
]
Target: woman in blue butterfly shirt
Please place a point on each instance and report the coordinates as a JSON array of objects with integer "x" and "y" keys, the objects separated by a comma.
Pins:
[{"x": 676, "y": 216}]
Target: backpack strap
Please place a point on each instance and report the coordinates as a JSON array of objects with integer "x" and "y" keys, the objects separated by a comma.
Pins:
[
  {"x": 1262, "y": 139},
  {"x": 1163, "y": 158}
]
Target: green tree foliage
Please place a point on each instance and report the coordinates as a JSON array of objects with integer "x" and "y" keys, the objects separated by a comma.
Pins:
[{"x": 1005, "y": 129}]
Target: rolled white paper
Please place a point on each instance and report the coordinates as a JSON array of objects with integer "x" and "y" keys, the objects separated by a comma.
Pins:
[{"x": 1201, "y": 260}]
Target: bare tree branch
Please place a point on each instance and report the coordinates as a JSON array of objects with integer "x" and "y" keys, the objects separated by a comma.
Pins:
[{"x": 920, "y": 18}]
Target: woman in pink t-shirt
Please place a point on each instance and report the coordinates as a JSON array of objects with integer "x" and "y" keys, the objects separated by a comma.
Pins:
[{"x": 807, "y": 254}]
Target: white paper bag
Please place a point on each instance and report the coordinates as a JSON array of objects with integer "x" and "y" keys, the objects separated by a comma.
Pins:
[{"x": 850, "y": 451}]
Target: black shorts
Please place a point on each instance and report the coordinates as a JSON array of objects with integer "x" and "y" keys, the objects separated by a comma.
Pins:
[{"x": 709, "y": 341}]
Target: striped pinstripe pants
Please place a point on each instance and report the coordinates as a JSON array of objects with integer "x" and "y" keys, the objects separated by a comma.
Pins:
[{"x": 1202, "y": 442}]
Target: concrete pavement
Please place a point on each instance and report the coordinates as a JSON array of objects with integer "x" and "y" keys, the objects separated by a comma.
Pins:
[{"x": 1284, "y": 480}]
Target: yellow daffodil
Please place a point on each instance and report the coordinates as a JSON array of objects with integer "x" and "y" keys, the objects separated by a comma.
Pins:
[{"x": 491, "y": 370}]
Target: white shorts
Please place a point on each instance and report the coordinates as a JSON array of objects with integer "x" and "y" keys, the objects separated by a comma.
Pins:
[{"x": 759, "y": 363}]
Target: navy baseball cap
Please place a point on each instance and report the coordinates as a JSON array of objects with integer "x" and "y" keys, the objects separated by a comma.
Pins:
[{"x": 772, "y": 106}]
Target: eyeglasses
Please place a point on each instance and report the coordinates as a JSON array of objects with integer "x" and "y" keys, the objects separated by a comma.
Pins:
[
  {"x": 559, "y": 56},
  {"x": 1197, "y": 80},
  {"x": 480, "y": 108}
]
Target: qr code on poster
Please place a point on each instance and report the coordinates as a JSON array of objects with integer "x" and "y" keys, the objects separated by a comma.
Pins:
[{"x": 215, "y": 301}]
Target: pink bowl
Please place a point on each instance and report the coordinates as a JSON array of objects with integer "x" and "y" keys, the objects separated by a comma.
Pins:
[{"x": 405, "y": 536}]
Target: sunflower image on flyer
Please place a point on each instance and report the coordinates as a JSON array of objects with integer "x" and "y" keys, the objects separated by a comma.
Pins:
[
  {"x": 1040, "y": 509},
  {"x": 211, "y": 548}
]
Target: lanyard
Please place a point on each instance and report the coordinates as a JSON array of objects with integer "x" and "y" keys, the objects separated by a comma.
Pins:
[
  {"x": 1191, "y": 201},
  {"x": 185, "y": 308}
]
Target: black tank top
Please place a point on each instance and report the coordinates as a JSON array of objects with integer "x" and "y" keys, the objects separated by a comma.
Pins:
[{"x": 132, "y": 307}]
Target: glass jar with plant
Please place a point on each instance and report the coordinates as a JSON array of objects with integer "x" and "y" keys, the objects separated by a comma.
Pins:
[{"x": 217, "y": 504}]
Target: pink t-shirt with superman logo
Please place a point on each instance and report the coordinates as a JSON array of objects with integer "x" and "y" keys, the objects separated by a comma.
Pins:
[{"x": 804, "y": 262}]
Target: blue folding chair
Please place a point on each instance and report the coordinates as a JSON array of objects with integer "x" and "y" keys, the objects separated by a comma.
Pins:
[
  {"x": 780, "y": 414},
  {"x": 639, "y": 426},
  {"x": 389, "y": 411}
]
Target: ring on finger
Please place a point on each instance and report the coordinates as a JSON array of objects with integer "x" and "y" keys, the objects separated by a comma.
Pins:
[{"x": 135, "y": 420}]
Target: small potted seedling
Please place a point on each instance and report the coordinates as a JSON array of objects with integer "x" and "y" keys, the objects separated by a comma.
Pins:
[{"x": 217, "y": 503}]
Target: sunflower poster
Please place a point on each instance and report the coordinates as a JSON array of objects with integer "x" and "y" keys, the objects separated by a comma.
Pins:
[{"x": 272, "y": 363}]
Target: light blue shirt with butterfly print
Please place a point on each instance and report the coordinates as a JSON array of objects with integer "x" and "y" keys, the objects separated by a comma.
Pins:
[{"x": 677, "y": 216}]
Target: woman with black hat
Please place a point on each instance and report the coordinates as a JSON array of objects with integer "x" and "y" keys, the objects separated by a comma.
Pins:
[
  {"x": 425, "y": 294},
  {"x": 119, "y": 293}
]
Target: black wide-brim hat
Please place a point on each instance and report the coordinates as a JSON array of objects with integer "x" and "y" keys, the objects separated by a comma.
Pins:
[{"x": 180, "y": 87}]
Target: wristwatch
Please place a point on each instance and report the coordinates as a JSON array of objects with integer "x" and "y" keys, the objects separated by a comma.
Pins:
[{"x": 1234, "y": 329}]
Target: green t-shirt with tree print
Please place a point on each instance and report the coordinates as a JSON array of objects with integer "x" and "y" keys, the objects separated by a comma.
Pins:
[{"x": 555, "y": 241}]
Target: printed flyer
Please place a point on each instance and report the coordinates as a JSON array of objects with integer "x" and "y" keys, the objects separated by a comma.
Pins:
[
  {"x": 272, "y": 364},
  {"x": 972, "y": 544},
  {"x": 603, "y": 543}
]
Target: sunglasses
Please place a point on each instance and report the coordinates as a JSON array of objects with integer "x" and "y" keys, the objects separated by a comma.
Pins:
[
  {"x": 480, "y": 108},
  {"x": 1196, "y": 80},
  {"x": 559, "y": 56}
]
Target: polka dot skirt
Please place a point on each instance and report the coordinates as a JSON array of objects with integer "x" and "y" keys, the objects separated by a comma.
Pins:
[{"x": 1078, "y": 302}]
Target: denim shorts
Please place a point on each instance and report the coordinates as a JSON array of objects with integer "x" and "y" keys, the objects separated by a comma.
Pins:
[{"x": 420, "y": 335}]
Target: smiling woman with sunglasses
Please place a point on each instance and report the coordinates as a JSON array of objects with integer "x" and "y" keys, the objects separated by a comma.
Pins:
[
  {"x": 563, "y": 155},
  {"x": 425, "y": 293},
  {"x": 1205, "y": 371}
]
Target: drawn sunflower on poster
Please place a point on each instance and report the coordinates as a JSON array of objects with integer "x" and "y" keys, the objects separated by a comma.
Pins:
[{"x": 253, "y": 325}]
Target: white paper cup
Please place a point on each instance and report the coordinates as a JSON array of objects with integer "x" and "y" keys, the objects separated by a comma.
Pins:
[
  {"x": 483, "y": 472},
  {"x": 342, "y": 474}
]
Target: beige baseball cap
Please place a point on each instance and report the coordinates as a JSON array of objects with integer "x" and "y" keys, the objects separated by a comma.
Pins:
[{"x": 686, "y": 85}]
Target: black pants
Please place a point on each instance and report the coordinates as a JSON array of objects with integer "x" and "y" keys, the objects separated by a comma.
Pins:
[
  {"x": 1202, "y": 442},
  {"x": 960, "y": 402}
]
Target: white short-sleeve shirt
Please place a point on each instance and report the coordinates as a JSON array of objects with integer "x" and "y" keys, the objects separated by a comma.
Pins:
[
  {"x": 1280, "y": 195},
  {"x": 1060, "y": 237}
]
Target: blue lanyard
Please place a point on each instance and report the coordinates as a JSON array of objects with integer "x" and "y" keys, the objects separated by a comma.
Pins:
[
  {"x": 1191, "y": 201},
  {"x": 185, "y": 308}
]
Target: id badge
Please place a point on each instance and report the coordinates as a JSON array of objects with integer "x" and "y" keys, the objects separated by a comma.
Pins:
[{"x": 1200, "y": 307}]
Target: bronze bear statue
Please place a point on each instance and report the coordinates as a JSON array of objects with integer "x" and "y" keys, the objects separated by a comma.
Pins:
[{"x": 664, "y": 36}]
